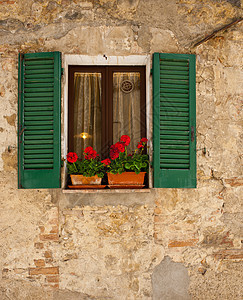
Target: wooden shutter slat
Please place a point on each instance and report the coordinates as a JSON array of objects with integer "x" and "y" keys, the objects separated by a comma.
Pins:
[
  {"x": 38, "y": 151},
  {"x": 172, "y": 85},
  {"x": 179, "y": 83},
  {"x": 36, "y": 108},
  {"x": 174, "y": 100},
  {"x": 173, "y": 151},
  {"x": 174, "y": 91},
  {"x": 30, "y": 68},
  {"x": 173, "y": 62},
  {"x": 38, "y": 99},
  {"x": 39, "y": 76},
  {"x": 169, "y": 104},
  {"x": 43, "y": 166},
  {"x": 174, "y": 67},
  {"x": 34, "y": 131},
  {"x": 39, "y": 94},
  {"x": 173, "y": 155},
  {"x": 38, "y": 146},
  {"x": 175, "y": 166},
  {"x": 175, "y": 128},
  {"x": 174, "y": 142},
  {"x": 35, "y": 62},
  {"x": 38, "y": 85},
  {"x": 174, "y": 146},
  {"x": 175, "y": 132},
  {"x": 165, "y": 95},
  {"x": 39, "y": 80},
  {"x": 38, "y": 142},
  {"x": 34, "y": 89},
  {"x": 174, "y": 76},
  {"x": 38, "y": 104}
]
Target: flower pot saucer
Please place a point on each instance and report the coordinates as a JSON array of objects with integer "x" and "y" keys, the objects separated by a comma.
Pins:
[
  {"x": 126, "y": 186},
  {"x": 87, "y": 186}
]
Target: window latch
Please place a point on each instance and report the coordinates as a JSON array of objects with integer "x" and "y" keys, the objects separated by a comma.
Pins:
[
  {"x": 192, "y": 134},
  {"x": 21, "y": 132}
]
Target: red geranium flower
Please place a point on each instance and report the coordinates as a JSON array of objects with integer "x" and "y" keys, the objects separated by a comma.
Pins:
[
  {"x": 113, "y": 150},
  {"x": 72, "y": 157},
  {"x": 116, "y": 149},
  {"x": 120, "y": 146},
  {"x": 88, "y": 149},
  {"x": 106, "y": 161},
  {"x": 114, "y": 155},
  {"x": 125, "y": 139},
  {"x": 90, "y": 153},
  {"x": 140, "y": 145},
  {"x": 143, "y": 140}
]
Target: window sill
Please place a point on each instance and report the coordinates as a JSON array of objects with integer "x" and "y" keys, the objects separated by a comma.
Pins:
[{"x": 105, "y": 191}]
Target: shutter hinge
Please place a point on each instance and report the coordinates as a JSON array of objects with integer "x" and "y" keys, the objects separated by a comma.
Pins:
[
  {"x": 21, "y": 56},
  {"x": 151, "y": 71},
  {"x": 62, "y": 71}
]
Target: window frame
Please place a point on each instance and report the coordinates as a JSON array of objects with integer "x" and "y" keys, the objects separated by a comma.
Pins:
[{"x": 103, "y": 60}]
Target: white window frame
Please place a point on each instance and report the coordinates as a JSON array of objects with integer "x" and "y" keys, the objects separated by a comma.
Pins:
[{"x": 103, "y": 60}]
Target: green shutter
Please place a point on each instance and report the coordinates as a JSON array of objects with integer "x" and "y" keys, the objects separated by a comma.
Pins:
[
  {"x": 39, "y": 155},
  {"x": 174, "y": 120}
]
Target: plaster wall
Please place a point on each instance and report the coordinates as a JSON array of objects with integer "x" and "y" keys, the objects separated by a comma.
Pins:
[{"x": 55, "y": 245}]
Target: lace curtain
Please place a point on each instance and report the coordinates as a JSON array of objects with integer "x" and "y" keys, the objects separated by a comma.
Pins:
[{"x": 87, "y": 111}]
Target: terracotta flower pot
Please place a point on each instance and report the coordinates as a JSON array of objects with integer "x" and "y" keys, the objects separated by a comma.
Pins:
[
  {"x": 126, "y": 178},
  {"x": 82, "y": 180}
]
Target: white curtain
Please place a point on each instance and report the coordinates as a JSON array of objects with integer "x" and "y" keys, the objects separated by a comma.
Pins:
[
  {"x": 87, "y": 111},
  {"x": 126, "y": 108}
]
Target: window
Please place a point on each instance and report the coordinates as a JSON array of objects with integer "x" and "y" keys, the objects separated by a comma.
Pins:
[
  {"x": 39, "y": 113},
  {"x": 105, "y": 102}
]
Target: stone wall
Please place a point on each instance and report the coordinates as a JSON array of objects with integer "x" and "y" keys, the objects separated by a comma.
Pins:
[{"x": 165, "y": 244}]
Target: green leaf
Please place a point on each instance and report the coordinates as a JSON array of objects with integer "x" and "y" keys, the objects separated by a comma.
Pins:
[{"x": 127, "y": 166}]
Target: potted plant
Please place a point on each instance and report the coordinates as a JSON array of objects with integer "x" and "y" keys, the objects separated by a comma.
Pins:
[
  {"x": 127, "y": 169},
  {"x": 88, "y": 171}
]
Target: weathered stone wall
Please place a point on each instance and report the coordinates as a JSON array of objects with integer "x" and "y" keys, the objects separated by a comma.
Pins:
[{"x": 127, "y": 246}]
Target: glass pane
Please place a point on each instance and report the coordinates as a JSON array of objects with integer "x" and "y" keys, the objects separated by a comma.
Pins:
[
  {"x": 126, "y": 107},
  {"x": 87, "y": 111}
]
